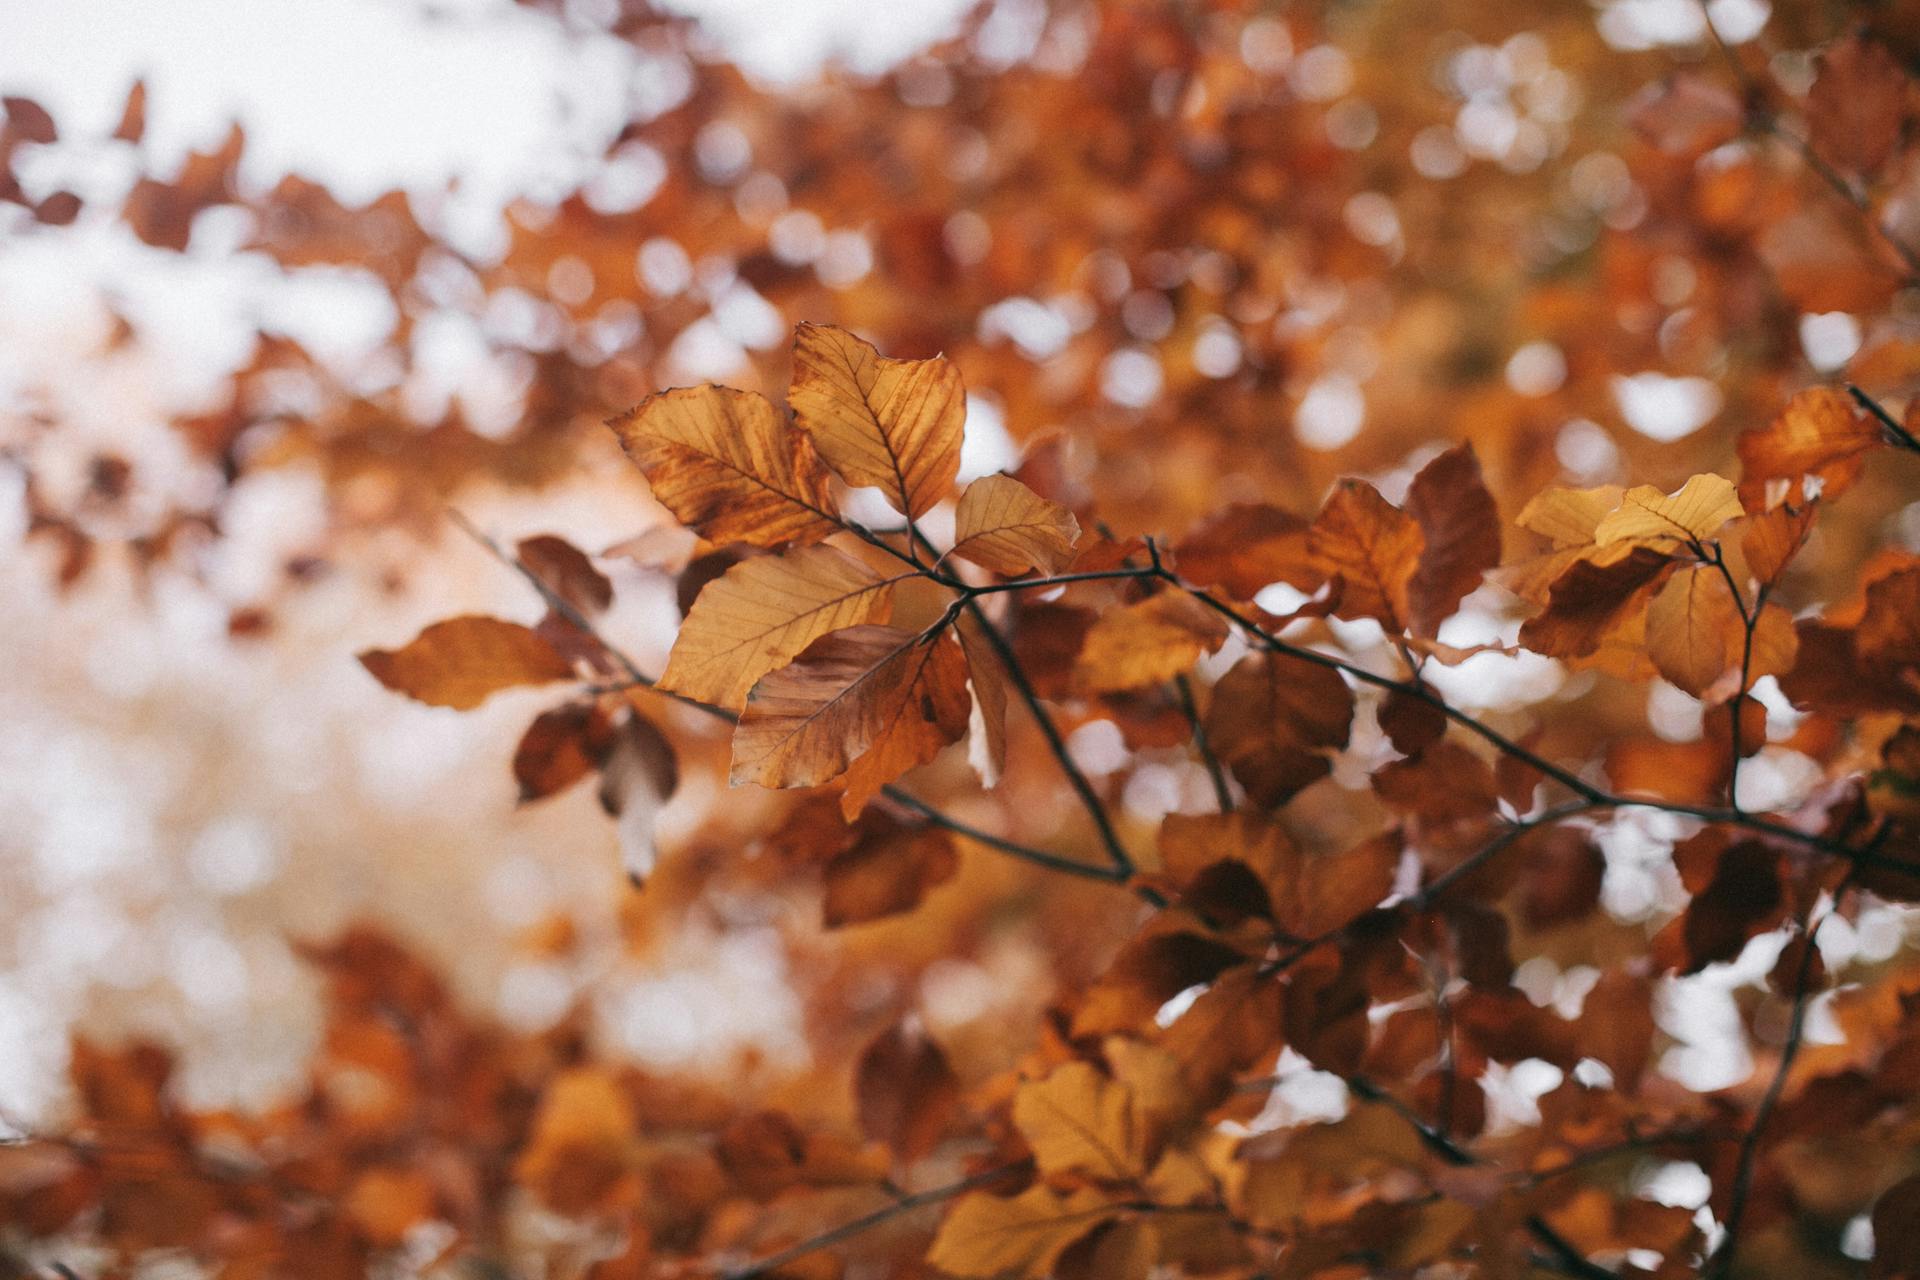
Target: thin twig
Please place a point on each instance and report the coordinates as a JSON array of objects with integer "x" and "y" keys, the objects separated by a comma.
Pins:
[
  {"x": 1902, "y": 438},
  {"x": 1222, "y": 795},
  {"x": 1750, "y": 1143},
  {"x": 847, "y": 1230}
]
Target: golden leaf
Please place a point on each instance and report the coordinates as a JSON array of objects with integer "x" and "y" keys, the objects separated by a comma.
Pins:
[
  {"x": 1147, "y": 642},
  {"x": 892, "y": 424},
  {"x": 987, "y": 1235},
  {"x": 987, "y": 678},
  {"x": 1694, "y": 631},
  {"x": 1693, "y": 513},
  {"x": 1005, "y": 526},
  {"x": 728, "y": 467},
  {"x": 1079, "y": 1118},
  {"x": 1820, "y": 433},
  {"x": 762, "y": 612}
]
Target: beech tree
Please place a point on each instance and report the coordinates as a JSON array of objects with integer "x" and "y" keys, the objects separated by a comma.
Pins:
[{"x": 1452, "y": 585}]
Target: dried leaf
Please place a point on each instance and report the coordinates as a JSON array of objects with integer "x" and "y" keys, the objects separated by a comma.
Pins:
[
  {"x": 1695, "y": 512},
  {"x": 1821, "y": 433},
  {"x": 1247, "y": 547},
  {"x": 1005, "y": 526},
  {"x": 885, "y": 874},
  {"x": 1694, "y": 629},
  {"x": 1149, "y": 642},
  {"x": 892, "y": 424},
  {"x": 1461, "y": 530},
  {"x": 986, "y": 1236},
  {"x": 1858, "y": 103},
  {"x": 905, "y": 1092},
  {"x": 1272, "y": 720},
  {"x": 727, "y": 466},
  {"x": 868, "y": 691},
  {"x": 463, "y": 661},
  {"x": 762, "y": 613},
  {"x": 1374, "y": 548}
]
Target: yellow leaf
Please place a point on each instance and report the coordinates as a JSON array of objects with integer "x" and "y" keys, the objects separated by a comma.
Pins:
[
  {"x": 1148, "y": 642},
  {"x": 986, "y": 1235},
  {"x": 892, "y": 424},
  {"x": 1693, "y": 513},
  {"x": 1570, "y": 516},
  {"x": 762, "y": 612},
  {"x": 463, "y": 661},
  {"x": 866, "y": 689},
  {"x": 1007, "y": 527},
  {"x": 1078, "y": 1118},
  {"x": 1374, "y": 548},
  {"x": 728, "y": 467},
  {"x": 1694, "y": 632}
]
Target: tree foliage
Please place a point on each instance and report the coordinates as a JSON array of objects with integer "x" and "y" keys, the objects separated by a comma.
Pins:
[{"x": 1346, "y": 942}]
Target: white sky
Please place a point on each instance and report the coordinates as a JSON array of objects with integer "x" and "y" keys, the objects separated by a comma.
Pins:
[{"x": 370, "y": 94}]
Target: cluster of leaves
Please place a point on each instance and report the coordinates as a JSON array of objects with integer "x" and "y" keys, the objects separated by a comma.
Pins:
[{"x": 1363, "y": 866}]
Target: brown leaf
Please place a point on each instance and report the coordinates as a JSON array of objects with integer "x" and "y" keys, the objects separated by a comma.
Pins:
[
  {"x": 1374, "y": 548},
  {"x": 1307, "y": 896},
  {"x": 1008, "y": 528},
  {"x": 1273, "y": 718},
  {"x": 1858, "y": 103},
  {"x": 1570, "y": 516},
  {"x": 872, "y": 695},
  {"x": 1247, "y": 547},
  {"x": 1889, "y": 631},
  {"x": 1593, "y": 597},
  {"x": 1149, "y": 642},
  {"x": 892, "y": 424},
  {"x": 1686, "y": 114},
  {"x": 638, "y": 778},
  {"x": 727, "y": 466},
  {"x": 559, "y": 748},
  {"x": 905, "y": 1092},
  {"x": 885, "y": 874},
  {"x": 565, "y": 570},
  {"x": 762, "y": 613},
  {"x": 133, "y": 116},
  {"x": 463, "y": 661},
  {"x": 987, "y": 680},
  {"x": 1461, "y": 530},
  {"x": 1412, "y": 724}
]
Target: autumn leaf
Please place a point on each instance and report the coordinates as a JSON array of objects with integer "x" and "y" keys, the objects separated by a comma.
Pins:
[
  {"x": 1773, "y": 538},
  {"x": 985, "y": 1235},
  {"x": 1857, "y": 105},
  {"x": 1078, "y": 1118},
  {"x": 1460, "y": 527},
  {"x": 1307, "y": 896},
  {"x": 1694, "y": 513},
  {"x": 1002, "y": 525},
  {"x": 559, "y": 748},
  {"x": 1694, "y": 629},
  {"x": 1272, "y": 720},
  {"x": 905, "y": 1092},
  {"x": 727, "y": 466},
  {"x": 463, "y": 661},
  {"x": 884, "y": 874},
  {"x": 1247, "y": 547},
  {"x": 1570, "y": 517},
  {"x": 1821, "y": 433},
  {"x": 1374, "y": 548},
  {"x": 1148, "y": 642},
  {"x": 987, "y": 681},
  {"x": 565, "y": 570},
  {"x": 762, "y": 613},
  {"x": 892, "y": 424},
  {"x": 877, "y": 697},
  {"x": 637, "y": 779},
  {"x": 1592, "y": 597}
]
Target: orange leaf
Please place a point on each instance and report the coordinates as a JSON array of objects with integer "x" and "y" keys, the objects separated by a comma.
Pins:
[
  {"x": 892, "y": 424},
  {"x": 1374, "y": 548},
  {"x": 985, "y": 1235},
  {"x": 727, "y": 466},
  {"x": 1148, "y": 642},
  {"x": 885, "y": 874},
  {"x": 1005, "y": 526},
  {"x": 1694, "y": 631},
  {"x": 1247, "y": 547},
  {"x": 463, "y": 661},
  {"x": 762, "y": 612},
  {"x": 1820, "y": 433}
]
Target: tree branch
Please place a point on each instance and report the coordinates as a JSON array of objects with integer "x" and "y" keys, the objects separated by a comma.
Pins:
[{"x": 1222, "y": 795}]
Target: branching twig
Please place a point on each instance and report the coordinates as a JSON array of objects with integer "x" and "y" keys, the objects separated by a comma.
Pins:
[
  {"x": 1222, "y": 795},
  {"x": 847, "y": 1230}
]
